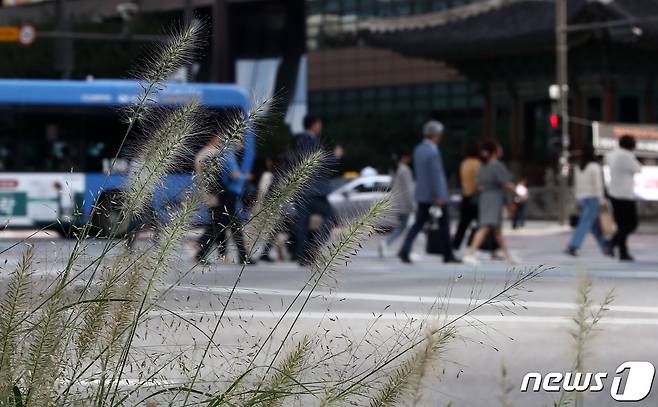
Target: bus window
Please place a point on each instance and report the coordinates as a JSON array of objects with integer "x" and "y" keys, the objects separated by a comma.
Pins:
[{"x": 71, "y": 138}]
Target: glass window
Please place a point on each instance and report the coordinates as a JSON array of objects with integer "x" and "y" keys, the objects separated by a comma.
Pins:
[
  {"x": 367, "y": 8},
  {"x": 385, "y": 9},
  {"x": 332, "y": 6},
  {"x": 421, "y": 90},
  {"x": 403, "y": 91},
  {"x": 440, "y": 89},
  {"x": 385, "y": 105},
  {"x": 350, "y": 95},
  {"x": 349, "y": 6},
  {"x": 316, "y": 97},
  {"x": 460, "y": 88},
  {"x": 438, "y": 5},
  {"x": 439, "y": 103},
  {"x": 422, "y": 104},
  {"x": 333, "y": 96},
  {"x": 316, "y": 108},
  {"x": 477, "y": 101},
  {"x": 402, "y": 7},
  {"x": 368, "y": 93},
  {"x": 332, "y": 109},
  {"x": 313, "y": 7},
  {"x": 386, "y": 92},
  {"x": 350, "y": 107},
  {"x": 459, "y": 102},
  {"x": 403, "y": 104},
  {"x": 368, "y": 106},
  {"x": 372, "y": 187}
]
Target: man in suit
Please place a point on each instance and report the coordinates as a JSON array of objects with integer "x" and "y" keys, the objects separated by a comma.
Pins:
[
  {"x": 315, "y": 198},
  {"x": 431, "y": 190}
]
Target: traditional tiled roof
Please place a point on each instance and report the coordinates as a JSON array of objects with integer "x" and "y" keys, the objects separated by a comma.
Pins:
[
  {"x": 434, "y": 19},
  {"x": 497, "y": 27}
]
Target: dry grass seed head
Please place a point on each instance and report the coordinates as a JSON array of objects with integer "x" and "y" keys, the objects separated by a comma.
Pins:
[
  {"x": 13, "y": 308},
  {"x": 287, "y": 191},
  {"x": 339, "y": 252},
  {"x": 165, "y": 148}
]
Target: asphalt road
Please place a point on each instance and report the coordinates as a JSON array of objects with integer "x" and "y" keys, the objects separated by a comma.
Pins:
[{"x": 381, "y": 300}]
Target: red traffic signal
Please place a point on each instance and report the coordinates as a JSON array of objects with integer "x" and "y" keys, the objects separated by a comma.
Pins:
[{"x": 555, "y": 121}]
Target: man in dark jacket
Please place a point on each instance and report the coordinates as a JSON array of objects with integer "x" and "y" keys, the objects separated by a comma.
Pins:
[
  {"x": 315, "y": 198},
  {"x": 431, "y": 191}
]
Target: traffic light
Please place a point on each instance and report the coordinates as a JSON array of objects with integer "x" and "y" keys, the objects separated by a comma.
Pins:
[
  {"x": 555, "y": 121},
  {"x": 555, "y": 136}
]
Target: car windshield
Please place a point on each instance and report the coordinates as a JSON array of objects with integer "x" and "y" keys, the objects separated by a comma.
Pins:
[{"x": 339, "y": 182}]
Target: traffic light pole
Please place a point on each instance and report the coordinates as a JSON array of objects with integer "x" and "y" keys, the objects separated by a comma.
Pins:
[{"x": 562, "y": 50}]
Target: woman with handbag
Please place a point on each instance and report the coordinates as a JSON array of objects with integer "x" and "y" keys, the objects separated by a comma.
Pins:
[
  {"x": 588, "y": 189},
  {"x": 494, "y": 180}
]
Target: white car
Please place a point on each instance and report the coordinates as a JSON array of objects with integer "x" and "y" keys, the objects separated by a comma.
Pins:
[{"x": 355, "y": 196}]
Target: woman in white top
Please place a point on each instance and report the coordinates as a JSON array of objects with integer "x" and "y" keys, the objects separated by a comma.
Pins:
[{"x": 588, "y": 188}]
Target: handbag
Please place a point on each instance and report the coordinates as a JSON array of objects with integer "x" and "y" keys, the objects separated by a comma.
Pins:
[
  {"x": 433, "y": 244},
  {"x": 607, "y": 222}
]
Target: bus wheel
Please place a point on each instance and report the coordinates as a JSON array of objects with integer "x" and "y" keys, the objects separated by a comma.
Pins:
[{"x": 107, "y": 219}]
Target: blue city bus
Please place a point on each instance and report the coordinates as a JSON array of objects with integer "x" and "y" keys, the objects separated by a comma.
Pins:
[{"x": 57, "y": 138}]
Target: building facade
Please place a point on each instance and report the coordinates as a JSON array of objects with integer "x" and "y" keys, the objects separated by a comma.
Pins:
[{"x": 373, "y": 96}]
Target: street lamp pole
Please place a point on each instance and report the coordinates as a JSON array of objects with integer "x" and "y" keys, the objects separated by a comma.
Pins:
[
  {"x": 64, "y": 53},
  {"x": 562, "y": 50}
]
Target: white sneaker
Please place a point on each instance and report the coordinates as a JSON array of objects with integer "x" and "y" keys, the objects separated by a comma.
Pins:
[
  {"x": 381, "y": 249},
  {"x": 470, "y": 260}
]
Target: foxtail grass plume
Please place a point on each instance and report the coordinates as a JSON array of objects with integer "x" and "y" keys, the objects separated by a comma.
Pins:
[
  {"x": 405, "y": 381},
  {"x": 122, "y": 313},
  {"x": 13, "y": 309},
  {"x": 165, "y": 59},
  {"x": 172, "y": 234},
  {"x": 164, "y": 149},
  {"x": 286, "y": 191},
  {"x": 586, "y": 319},
  {"x": 283, "y": 379},
  {"x": 339, "y": 252},
  {"x": 232, "y": 134},
  {"x": 95, "y": 314},
  {"x": 180, "y": 50},
  {"x": 44, "y": 355},
  {"x": 150, "y": 270}
]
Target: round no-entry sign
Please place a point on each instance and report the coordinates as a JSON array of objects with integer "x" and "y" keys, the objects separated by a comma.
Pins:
[{"x": 27, "y": 34}]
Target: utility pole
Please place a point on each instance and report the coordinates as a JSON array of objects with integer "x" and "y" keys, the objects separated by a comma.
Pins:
[
  {"x": 221, "y": 55},
  {"x": 561, "y": 55},
  {"x": 64, "y": 56}
]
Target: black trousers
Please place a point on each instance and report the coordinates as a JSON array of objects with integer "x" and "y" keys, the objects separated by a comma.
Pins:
[
  {"x": 468, "y": 212},
  {"x": 222, "y": 217},
  {"x": 518, "y": 219},
  {"x": 306, "y": 245},
  {"x": 625, "y": 214},
  {"x": 422, "y": 217}
]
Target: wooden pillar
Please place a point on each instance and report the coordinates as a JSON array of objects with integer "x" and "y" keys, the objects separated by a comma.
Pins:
[{"x": 516, "y": 136}]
